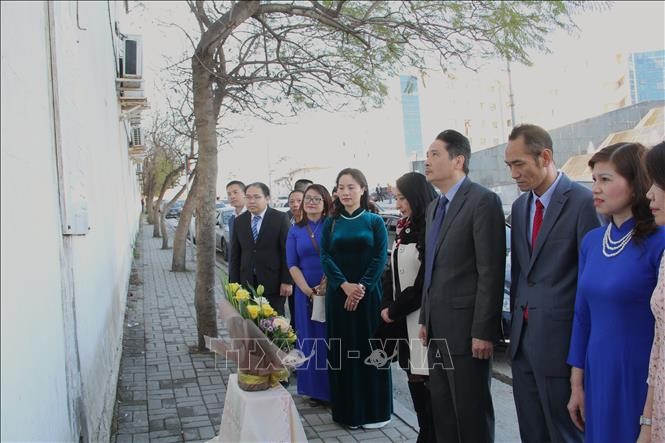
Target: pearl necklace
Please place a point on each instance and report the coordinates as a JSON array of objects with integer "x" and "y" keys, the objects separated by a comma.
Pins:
[
  {"x": 354, "y": 217},
  {"x": 611, "y": 247}
]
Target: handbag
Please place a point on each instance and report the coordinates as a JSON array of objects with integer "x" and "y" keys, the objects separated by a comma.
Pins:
[{"x": 318, "y": 299}]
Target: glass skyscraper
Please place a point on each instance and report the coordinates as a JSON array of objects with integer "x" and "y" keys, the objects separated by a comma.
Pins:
[
  {"x": 413, "y": 140},
  {"x": 647, "y": 72}
]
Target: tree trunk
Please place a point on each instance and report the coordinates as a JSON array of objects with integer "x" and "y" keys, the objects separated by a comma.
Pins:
[
  {"x": 204, "y": 298},
  {"x": 168, "y": 182},
  {"x": 158, "y": 216},
  {"x": 167, "y": 207},
  {"x": 149, "y": 205},
  {"x": 162, "y": 227},
  {"x": 180, "y": 237}
]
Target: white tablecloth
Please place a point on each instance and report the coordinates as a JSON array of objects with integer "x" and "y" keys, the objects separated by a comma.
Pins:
[{"x": 263, "y": 416}]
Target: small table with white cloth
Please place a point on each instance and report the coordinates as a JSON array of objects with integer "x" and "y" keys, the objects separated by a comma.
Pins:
[{"x": 259, "y": 416}]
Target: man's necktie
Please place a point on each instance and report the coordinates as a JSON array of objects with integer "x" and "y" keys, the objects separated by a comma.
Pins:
[
  {"x": 255, "y": 227},
  {"x": 537, "y": 223},
  {"x": 433, "y": 238}
]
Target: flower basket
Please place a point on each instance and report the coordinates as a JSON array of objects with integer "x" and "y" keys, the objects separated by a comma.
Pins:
[
  {"x": 261, "y": 341},
  {"x": 249, "y": 380}
]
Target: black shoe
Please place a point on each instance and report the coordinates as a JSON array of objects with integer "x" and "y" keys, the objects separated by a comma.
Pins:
[
  {"x": 313, "y": 402},
  {"x": 285, "y": 383}
]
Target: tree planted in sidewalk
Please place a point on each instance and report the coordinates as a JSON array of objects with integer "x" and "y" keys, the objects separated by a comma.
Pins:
[{"x": 252, "y": 57}]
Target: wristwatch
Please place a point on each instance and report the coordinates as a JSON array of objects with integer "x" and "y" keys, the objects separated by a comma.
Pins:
[{"x": 646, "y": 421}]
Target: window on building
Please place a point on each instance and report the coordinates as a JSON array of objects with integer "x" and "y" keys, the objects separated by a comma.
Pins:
[
  {"x": 495, "y": 141},
  {"x": 483, "y": 140},
  {"x": 509, "y": 123},
  {"x": 495, "y": 124},
  {"x": 492, "y": 107}
]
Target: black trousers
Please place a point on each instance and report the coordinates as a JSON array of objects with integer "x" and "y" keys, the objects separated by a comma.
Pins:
[{"x": 462, "y": 407}]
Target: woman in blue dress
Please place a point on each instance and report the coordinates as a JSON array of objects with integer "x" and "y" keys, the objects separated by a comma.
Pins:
[
  {"x": 304, "y": 262},
  {"x": 613, "y": 324},
  {"x": 353, "y": 255}
]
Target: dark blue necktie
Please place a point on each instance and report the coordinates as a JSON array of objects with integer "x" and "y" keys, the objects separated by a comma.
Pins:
[
  {"x": 255, "y": 227},
  {"x": 433, "y": 239}
]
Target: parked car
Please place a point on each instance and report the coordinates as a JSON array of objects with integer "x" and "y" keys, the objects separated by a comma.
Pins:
[
  {"x": 387, "y": 207},
  {"x": 280, "y": 202},
  {"x": 390, "y": 221},
  {"x": 505, "y": 312},
  {"x": 222, "y": 236},
  {"x": 176, "y": 209},
  {"x": 192, "y": 226}
]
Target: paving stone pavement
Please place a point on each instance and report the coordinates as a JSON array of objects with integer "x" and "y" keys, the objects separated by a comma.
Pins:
[{"x": 168, "y": 392}]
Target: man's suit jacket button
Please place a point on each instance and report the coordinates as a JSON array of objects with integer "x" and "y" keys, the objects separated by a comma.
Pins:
[{"x": 531, "y": 284}]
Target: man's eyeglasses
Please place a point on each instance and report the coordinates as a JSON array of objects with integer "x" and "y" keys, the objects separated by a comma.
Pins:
[
  {"x": 312, "y": 199},
  {"x": 253, "y": 197}
]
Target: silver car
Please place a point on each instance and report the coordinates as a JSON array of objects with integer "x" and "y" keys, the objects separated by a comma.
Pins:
[{"x": 222, "y": 236}]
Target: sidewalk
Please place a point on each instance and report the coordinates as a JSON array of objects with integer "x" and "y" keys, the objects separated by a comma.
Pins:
[{"x": 169, "y": 393}]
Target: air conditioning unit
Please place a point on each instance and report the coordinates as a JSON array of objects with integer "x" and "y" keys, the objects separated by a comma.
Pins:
[
  {"x": 132, "y": 60},
  {"x": 137, "y": 136}
]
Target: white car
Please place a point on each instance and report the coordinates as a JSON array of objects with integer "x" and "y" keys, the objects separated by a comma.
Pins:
[{"x": 222, "y": 236}]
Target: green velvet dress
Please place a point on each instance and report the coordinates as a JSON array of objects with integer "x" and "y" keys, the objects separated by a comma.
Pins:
[{"x": 353, "y": 249}]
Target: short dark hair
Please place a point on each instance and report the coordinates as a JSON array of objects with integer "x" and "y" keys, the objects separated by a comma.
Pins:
[
  {"x": 536, "y": 138},
  {"x": 301, "y": 184},
  {"x": 294, "y": 191},
  {"x": 456, "y": 144},
  {"x": 236, "y": 182},
  {"x": 262, "y": 186},
  {"x": 655, "y": 161},
  {"x": 628, "y": 160}
]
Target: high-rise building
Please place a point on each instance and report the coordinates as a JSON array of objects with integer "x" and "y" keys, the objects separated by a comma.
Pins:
[
  {"x": 646, "y": 72},
  {"x": 413, "y": 140}
]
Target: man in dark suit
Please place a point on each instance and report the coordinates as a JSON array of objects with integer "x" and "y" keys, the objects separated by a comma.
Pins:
[
  {"x": 465, "y": 257},
  {"x": 548, "y": 223},
  {"x": 258, "y": 252},
  {"x": 235, "y": 192}
]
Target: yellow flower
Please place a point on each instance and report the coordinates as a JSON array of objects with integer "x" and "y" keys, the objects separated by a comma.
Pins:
[
  {"x": 260, "y": 290},
  {"x": 267, "y": 311},
  {"x": 253, "y": 311},
  {"x": 233, "y": 287},
  {"x": 291, "y": 337},
  {"x": 242, "y": 295}
]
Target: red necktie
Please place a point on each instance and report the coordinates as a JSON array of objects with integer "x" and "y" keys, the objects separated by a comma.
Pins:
[{"x": 537, "y": 223}]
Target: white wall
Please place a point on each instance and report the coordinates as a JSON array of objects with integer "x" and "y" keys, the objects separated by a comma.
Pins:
[{"x": 63, "y": 297}]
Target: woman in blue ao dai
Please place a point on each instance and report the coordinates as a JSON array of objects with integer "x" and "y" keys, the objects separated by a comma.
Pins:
[
  {"x": 304, "y": 262},
  {"x": 613, "y": 325}
]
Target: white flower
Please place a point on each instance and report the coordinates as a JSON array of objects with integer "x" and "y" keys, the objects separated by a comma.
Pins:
[
  {"x": 281, "y": 323},
  {"x": 262, "y": 301}
]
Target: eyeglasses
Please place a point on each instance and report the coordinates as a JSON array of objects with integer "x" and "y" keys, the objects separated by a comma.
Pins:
[
  {"x": 309, "y": 199},
  {"x": 253, "y": 197}
]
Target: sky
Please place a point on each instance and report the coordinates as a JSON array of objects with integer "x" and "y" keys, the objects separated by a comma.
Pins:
[{"x": 373, "y": 141}]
